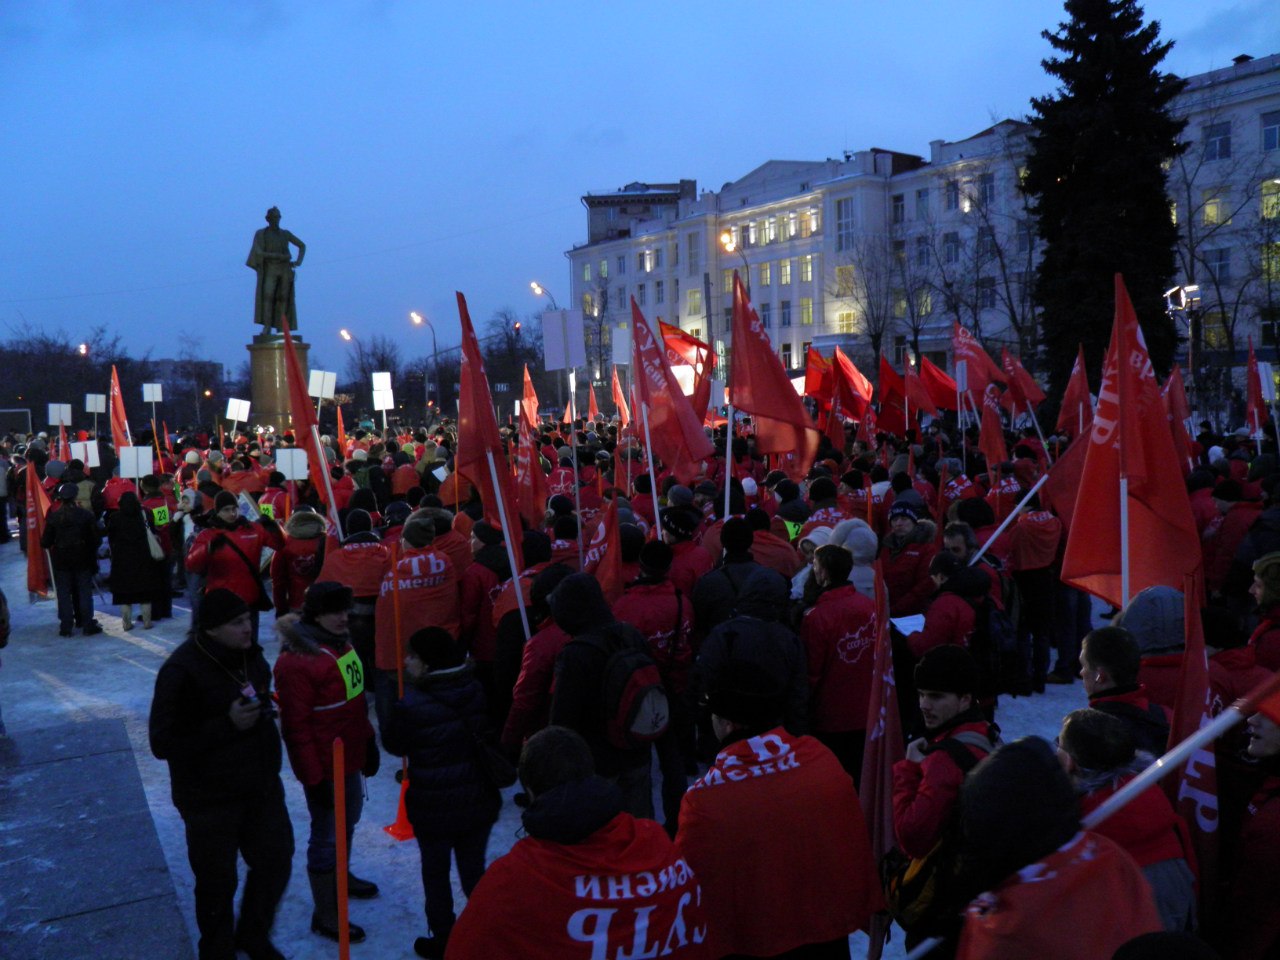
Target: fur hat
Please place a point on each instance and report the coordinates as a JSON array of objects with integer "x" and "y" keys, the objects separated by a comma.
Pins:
[
  {"x": 325, "y": 596},
  {"x": 220, "y": 606}
]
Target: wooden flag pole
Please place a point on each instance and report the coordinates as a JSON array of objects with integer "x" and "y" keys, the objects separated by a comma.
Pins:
[
  {"x": 340, "y": 836},
  {"x": 506, "y": 537}
]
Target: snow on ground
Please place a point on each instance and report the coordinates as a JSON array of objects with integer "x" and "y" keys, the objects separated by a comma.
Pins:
[{"x": 47, "y": 680}]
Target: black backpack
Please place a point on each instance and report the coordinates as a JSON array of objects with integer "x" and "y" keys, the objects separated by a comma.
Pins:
[{"x": 636, "y": 709}]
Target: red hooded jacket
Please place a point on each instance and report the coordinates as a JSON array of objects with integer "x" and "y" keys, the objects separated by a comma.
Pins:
[
  {"x": 839, "y": 635},
  {"x": 428, "y": 590}
]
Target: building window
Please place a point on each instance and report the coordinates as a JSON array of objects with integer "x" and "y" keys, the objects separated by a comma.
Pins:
[
  {"x": 1025, "y": 237},
  {"x": 726, "y": 281},
  {"x": 586, "y": 273},
  {"x": 640, "y": 262},
  {"x": 771, "y": 230},
  {"x": 1212, "y": 210},
  {"x": 844, "y": 223},
  {"x": 620, "y": 296},
  {"x": 1217, "y": 141},
  {"x": 986, "y": 242},
  {"x": 784, "y": 313},
  {"x": 1270, "y": 206},
  {"x": 922, "y": 251},
  {"x": 611, "y": 213},
  {"x": 844, "y": 281},
  {"x": 622, "y": 265},
  {"x": 986, "y": 293},
  {"x": 805, "y": 347},
  {"x": 1215, "y": 330},
  {"x": 728, "y": 319},
  {"x": 604, "y": 268},
  {"x": 1218, "y": 263},
  {"x": 952, "y": 201},
  {"x": 806, "y": 268},
  {"x": 786, "y": 355},
  {"x": 695, "y": 332},
  {"x": 793, "y": 225},
  {"x": 987, "y": 189},
  {"x": 898, "y": 208},
  {"x": 808, "y": 223},
  {"x": 588, "y": 305},
  {"x": 766, "y": 315},
  {"x": 749, "y": 235},
  {"x": 766, "y": 274},
  {"x": 784, "y": 271},
  {"x": 951, "y": 248},
  {"x": 1173, "y": 212},
  {"x": 693, "y": 302},
  {"x": 640, "y": 294},
  {"x": 844, "y": 322},
  {"x": 692, "y": 252},
  {"x": 899, "y": 250},
  {"x": 1271, "y": 130},
  {"x": 806, "y": 311},
  {"x": 922, "y": 203},
  {"x": 899, "y": 304},
  {"x": 659, "y": 291},
  {"x": 924, "y": 302},
  {"x": 675, "y": 290},
  {"x": 657, "y": 258}
]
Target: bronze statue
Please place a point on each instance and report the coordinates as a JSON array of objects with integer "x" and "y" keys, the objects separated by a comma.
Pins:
[{"x": 271, "y": 258}]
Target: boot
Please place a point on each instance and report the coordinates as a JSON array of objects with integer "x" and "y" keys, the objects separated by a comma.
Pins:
[
  {"x": 146, "y": 616},
  {"x": 324, "y": 919},
  {"x": 126, "y": 616},
  {"x": 358, "y": 889}
]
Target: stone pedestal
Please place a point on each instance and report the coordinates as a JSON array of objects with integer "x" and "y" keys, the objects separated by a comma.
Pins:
[{"x": 269, "y": 385}]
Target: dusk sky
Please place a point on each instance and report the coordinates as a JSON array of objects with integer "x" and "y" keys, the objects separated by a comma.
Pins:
[{"x": 422, "y": 148}]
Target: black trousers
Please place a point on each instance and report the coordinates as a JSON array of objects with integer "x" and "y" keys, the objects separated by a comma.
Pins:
[{"x": 257, "y": 829}]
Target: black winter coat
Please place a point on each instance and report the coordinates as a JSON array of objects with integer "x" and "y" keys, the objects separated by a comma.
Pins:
[
  {"x": 71, "y": 536},
  {"x": 715, "y": 595},
  {"x": 432, "y": 725},
  {"x": 210, "y": 761},
  {"x": 135, "y": 577}
]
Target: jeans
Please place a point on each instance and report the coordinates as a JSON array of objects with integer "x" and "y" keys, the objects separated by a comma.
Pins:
[
  {"x": 75, "y": 598},
  {"x": 468, "y": 850},
  {"x": 322, "y": 845}
]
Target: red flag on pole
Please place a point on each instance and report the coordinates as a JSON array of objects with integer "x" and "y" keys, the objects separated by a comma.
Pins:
[
  {"x": 593, "y": 409},
  {"x": 342, "y": 432},
  {"x": 819, "y": 379},
  {"x": 64, "y": 448},
  {"x": 893, "y": 398},
  {"x": 991, "y": 436},
  {"x": 38, "y": 580},
  {"x": 917, "y": 394},
  {"x": 531, "y": 482},
  {"x": 884, "y": 746},
  {"x": 856, "y": 389},
  {"x": 1175, "y": 405},
  {"x": 1163, "y": 546},
  {"x": 686, "y": 349},
  {"x": 674, "y": 427},
  {"x": 119, "y": 422},
  {"x": 620, "y": 401},
  {"x": 1022, "y": 388},
  {"x": 982, "y": 369},
  {"x": 759, "y": 385},
  {"x": 604, "y": 554},
  {"x": 1076, "y": 413},
  {"x": 1255, "y": 411},
  {"x": 942, "y": 389},
  {"x": 307, "y": 433}
]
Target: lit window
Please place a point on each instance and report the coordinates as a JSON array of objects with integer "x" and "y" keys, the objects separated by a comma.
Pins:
[
  {"x": 1215, "y": 332},
  {"x": 766, "y": 274},
  {"x": 792, "y": 225},
  {"x": 695, "y": 332},
  {"x": 726, "y": 281},
  {"x": 693, "y": 302},
  {"x": 1217, "y": 141},
  {"x": 806, "y": 311},
  {"x": 604, "y": 269},
  {"x": 588, "y": 305},
  {"x": 844, "y": 281},
  {"x": 784, "y": 313},
  {"x": 806, "y": 268},
  {"x": 844, "y": 223},
  {"x": 924, "y": 302},
  {"x": 844, "y": 322},
  {"x": 1173, "y": 212},
  {"x": 1271, "y": 130},
  {"x": 586, "y": 273},
  {"x": 771, "y": 230},
  {"x": 953, "y": 195},
  {"x": 640, "y": 294},
  {"x": 749, "y": 234},
  {"x": 813, "y": 220},
  {"x": 658, "y": 291},
  {"x": 899, "y": 304},
  {"x": 1213, "y": 211},
  {"x": 898, "y": 207},
  {"x": 766, "y": 315},
  {"x": 784, "y": 272},
  {"x": 786, "y": 355},
  {"x": 1270, "y": 208}
]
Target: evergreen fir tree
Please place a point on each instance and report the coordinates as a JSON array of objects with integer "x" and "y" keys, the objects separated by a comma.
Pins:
[{"x": 1096, "y": 176}]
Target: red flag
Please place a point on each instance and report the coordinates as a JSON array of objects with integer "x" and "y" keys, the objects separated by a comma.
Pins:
[
  {"x": 168, "y": 444},
  {"x": 305, "y": 430},
  {"x": 1255, "y": 411},
  {"x": 991, "y": 437},
  {"x": 120, "y": 436},
  {"x": 531, "y": 482},
  {"x": 893, "y": 393},
  {"x": 856, "y": 389},
  {"x": 1164, "y": 546},
  {"x": 620, "y": 401},
  {"x": 342, "y": 432},
  {"x": 1178, "y": 411},
  {"x": 917, "y": 395},
  {"x": 981, "y": 368},
  {"x": 942, "y": 389},
  {"x": 1023, "y": 389},
  {"x": 604, "y": 554},
  {"x": 1059, "y": 492},
  {"x": 593, "y": 409},
  {"x": 37, "y": 507},
  {"x": 684, "y": 349},
  {"x": 674, "y": 427},
  {"x": 568, "y": 416},
  {"x": 759, "y": 385},
  {"x": 64, "y": 448},
  {"x": 478, "y": 439},
  {"x": 1076, "y": 414},
  {"x": 884, "y": 745},
  {"x": 818, "y": 376}
]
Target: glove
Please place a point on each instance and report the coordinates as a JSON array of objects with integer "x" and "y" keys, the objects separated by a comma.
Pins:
[
  {"x": 320, "y": 795},
  {"x": 372, "y": 759}
]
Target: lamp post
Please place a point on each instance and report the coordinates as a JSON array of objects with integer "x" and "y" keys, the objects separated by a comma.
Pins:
[
  {"x": 1186, "y": 300},
  {"x": 418, "y": 320},
  {"x": 349, "y": 337},
  {"x": 727, "y": 242}
]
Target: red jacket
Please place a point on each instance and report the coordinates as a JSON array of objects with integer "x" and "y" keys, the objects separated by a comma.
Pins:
[
  {"x": 213, "y": 555},
  {"x": 476, "y": 591},
  {"x": 343, "y": 488},
  {"x": 321, "y": 693},
  {"x": 622, "y": 889},
  {"x": 1160, "y": 675},
  {"x": 1035, "y": 539},
  {"x": 1266, "y": 639},
  {"x": 428, "y": 590},
  {"x": 1004, "y": 496},
  {"x": 1234, "y": 673},
  {"x": 839, "y": 635},
  {"x": 949, "y": 619},
  {"x": 770, "y": 550},
  {"x": 1203, "y": 509},
  {"x": 531, "y": 697},
  {"x": 297, "y": 565},
  {"x": 356, "y": 564},
  {"x": 1146, "y": 828},
  {"x": 906, "y": 576},
  {"x": 801, "y": 879},
  {"x": 1255, "y": 909},
  {"x": 456, "y": 547},
  {"x": 1221, "y": 538},
  {"x": 689, "y": 562},
  {"x": 403, "y": 479},
  {"x": 925, "y": 793},
  {"x": 665, "y": 617}
]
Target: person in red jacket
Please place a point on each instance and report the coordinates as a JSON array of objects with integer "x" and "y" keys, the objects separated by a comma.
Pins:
[
  {"x": 839, "y": 635},
  {"x": 1035, "y": 537},
  {"x": 952, "y": 612},
  {"x": 1265, "y": 591},
  {"x": 904, "y": 558},
  {"x": 774, "y": 831},
  {"x": 531, "y": 695},
  {"x": 358, "y": 562},
  {"x": 689, "y": 560},
  {"x": 1253, "y": 924},
  {"x": 228, "y": 553},
  {"x": 587, "y": 879},
  {"x": 297, "y": 566},
  {"x": 1098, "y": 753},
  {"x": 1109, "y": 664},
  {"x": 478, "y": 585},
  {"x": 320, "y": 683}
]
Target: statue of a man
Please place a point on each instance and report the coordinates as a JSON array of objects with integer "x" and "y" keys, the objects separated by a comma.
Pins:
[{"x": 271, "y": 258}]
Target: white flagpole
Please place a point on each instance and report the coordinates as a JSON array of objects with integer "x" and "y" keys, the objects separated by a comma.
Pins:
[
  {"x": 1013, "y": 515},
  {"x": 1040, "y": 433},
  {"x": 653, "y": 474},
  {"x": 328, "y": 481},
  {"x": 1124, "y": 541},
  {"x": 577, "y": 483},
  {"x": 506, "y": 536},
  {"x": 728, "y": 459}
]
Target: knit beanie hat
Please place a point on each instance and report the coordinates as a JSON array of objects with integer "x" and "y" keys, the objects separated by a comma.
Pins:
[
  {"x": 745, "y": 693},
  {"x": 736, "y": 535},
  {"x": 358, "y": 521},
  {"x": 904, "y": 508},
  {"x": 631, "y": 541},
  {"x": 680, "y": 496},
  {"x": 578, "y": 603},
  {"x": 419, "y": 530},
  {"x": 436, "y": 647},
  {"x": 225, "y": 498},
  {"x": 325, "y": 596},
  {"x": 655, "y": 558},
  {"x": 947, "y": 669},
  {"x": 220, "y": 606},
  {"x": 681, "y": 522},
  {"x": 1267, "y": 570},
  {"x": 1155, "y": 618},
  {"x": 486, "y": 533}
]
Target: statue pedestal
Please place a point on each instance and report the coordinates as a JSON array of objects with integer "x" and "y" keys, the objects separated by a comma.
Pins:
[{"x": 269, "y": 385}]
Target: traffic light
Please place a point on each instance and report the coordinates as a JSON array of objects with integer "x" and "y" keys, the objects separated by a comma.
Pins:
[
  {"x": 517, "y": 327},
  {"x": 431, "y": 400}
]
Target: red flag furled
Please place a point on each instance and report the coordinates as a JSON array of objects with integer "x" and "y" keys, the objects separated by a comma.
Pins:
[
  {"x": 981, "y": 368},
  {"x": 64, "y": 448},
  {"x": 1023, "y": 389},
  {"x": 759, "y": 385},
  {"x": 531, "y": 482},
  {"x": 303, "y": 416},
  {"x": 1175, "y": 405},
  {"x": 1076, "y": 413},
  {"x": 620, "y": 401},
  {"x": 604, "y": 554},
  {"x": 674, "y": 427},
  {"x": 119, "y": 422},
  {"x": 942, "y": 389},
  {"x": 884, "y": 735},
  {"x": 479, "y": 444},
  {"x": 1130, "y": 439},
  {"x": 991, "y": 436},
  {"x": 38, "y": 580},
  {"x": 593, "y": 408},
  {"x": 342, "y": 432},
  {"x": 1255, "y": 411}
]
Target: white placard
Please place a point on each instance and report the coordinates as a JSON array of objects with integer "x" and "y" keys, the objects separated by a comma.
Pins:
[
  {"x": 1268, "y": 381},
  {"x": 86, "y": 453},
  {"x": 292, "y": 462},
  {"x": 384, "y": 399},
  {"x": 621, "y": 345},
  {"x": 95, "y": 403},
  {"x": 441, "y": 473},
  {"x": 322, "y": 384},
  {"x": 152, "y": 393},
  {"x": 718, "y": 398},
  {"x": 238, "y": 410},
  {"x": 563, "y": 344},
  {"x": 573, "y": 383},
  {"x": 962, "y": 376},
  {"x": 135, "y": 462},
  {"x": 517, "y": 409},
  {"x": 381, "y": 383},
  {"x": 59, "y": 413}
]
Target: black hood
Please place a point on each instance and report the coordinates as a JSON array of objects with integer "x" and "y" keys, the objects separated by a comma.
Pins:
[
  {"x": 764, "y": 594},
  {"x": 573, "y": 811}
]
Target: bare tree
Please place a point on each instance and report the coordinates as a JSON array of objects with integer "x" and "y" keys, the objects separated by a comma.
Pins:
[{"x": 865, "y": 280}]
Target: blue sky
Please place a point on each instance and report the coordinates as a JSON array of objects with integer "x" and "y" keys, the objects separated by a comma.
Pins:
[{"x": 422, "y": 148}]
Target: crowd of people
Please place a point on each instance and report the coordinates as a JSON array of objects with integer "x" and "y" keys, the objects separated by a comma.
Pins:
[{"x": 736, "y": 659}]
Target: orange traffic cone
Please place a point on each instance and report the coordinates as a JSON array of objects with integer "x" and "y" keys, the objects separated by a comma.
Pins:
[{"x": 401, "y": 829}]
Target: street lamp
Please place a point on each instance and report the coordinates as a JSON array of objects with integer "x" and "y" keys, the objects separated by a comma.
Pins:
[
  {"x": 1186, "y": 301},
  {"x": 418, "y": 320},
  {"x": 83, "y": 349},
  {"x": 540, "y": 291},
  {"x": 730, "y": 246}
]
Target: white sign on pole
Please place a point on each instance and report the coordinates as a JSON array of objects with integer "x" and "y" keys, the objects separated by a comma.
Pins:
[
  {"x": 322, "y": 384},
  {"x": 573, "y": 381},
  {"x": 1267, "y": 374},
  {"x": 563, "y": 343},
  {"x": 95, "y": 403},
  {"x": 962, "y": 376},
  {"x": 517, "y": 410},
  {"x": 621, "y": 346},
  {"x": 152, "y": 393},
  {"x": 384, "y": 399},
  {"x": 382, "y": 381},
  {"x": 718, "y": 395},
  {"x": 238, "y": 411},
  {"x": 87, "y": 453},
  {"x": 135, "y": 462},
  {"x": 59, "y": 413},
  {"x": 292, "y": 462}
]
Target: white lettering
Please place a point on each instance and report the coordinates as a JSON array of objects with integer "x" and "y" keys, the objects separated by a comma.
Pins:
[
  {"x": 769, "y": 746},
  {"x": 646, "y": 884},
  {"x": 587, "y": 887},
  {"x": 619, "y": 887},
  {"x": 640, "y": 949},
  {"x": 592, "y": 926},
  {"x": 677, "y": 931}
]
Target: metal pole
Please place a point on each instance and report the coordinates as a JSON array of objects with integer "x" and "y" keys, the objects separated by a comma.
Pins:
[
  {"x": 1039, "y": 432},
  {"x": 506, "y": 535},
  {"x": 653, "y": 473},
  {"x": 1009, "y": 519},
  {"x": 1124, "y": 541},
  {"x": 577, "y": 488},
  {"x": 728, "y": 459}
]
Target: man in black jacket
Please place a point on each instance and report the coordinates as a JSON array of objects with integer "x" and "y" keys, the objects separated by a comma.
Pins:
[
  {"x": 715, "y": 595},
  {"x": 72, "y": 538},
  {"x": 211, "y": 719}
]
